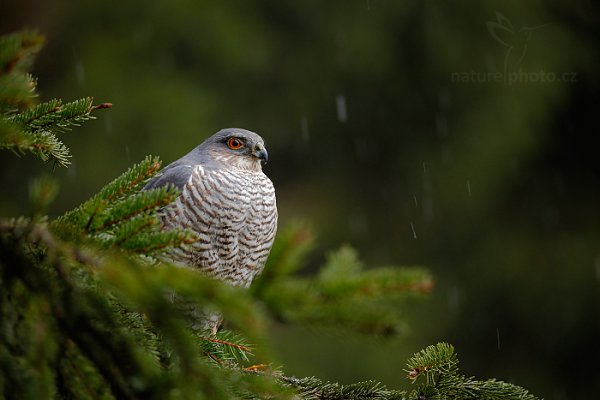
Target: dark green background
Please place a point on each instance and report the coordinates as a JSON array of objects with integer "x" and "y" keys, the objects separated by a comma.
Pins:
[{"x": 499, "y": 181}]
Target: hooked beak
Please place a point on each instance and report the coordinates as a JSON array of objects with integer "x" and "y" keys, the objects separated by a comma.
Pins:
[{"x": 261, "y": 153}]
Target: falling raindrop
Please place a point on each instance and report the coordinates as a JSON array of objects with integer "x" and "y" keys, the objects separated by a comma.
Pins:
[
  {"x": 412, "y": 227},
  {"x": 368, "y": 5},
  {"x": 453, "y": 298},
  {"x": 469, "y": 187},
  {"x": 560, "y": 183},
  {"x": 304, "y": 129},
  {"x": 598, "y": 268},
  {"x": 340, "y": 103},
  {"x": 416, "y": 201},
  {"x": 444, "y": 99},
  {"x": 362, "y": 149},
  {"x": 127, "y": 155},
  {"x": 550, "y": 216},
  {"x": 447, "y": 154},
  {"x": 441, "y": 125},
  {"x": 515, "y": 166},
  {"x": 80, "y": 72},
  {"x": 72, "y": 170},
  {"x": 384, "y": 193},
  {"x": 427, "y": 202},
  {"x": 498, "y": 337},
  {"x": 427, "y": 208},
  {"x": 358, "y": 224},
  {"x": 107, "y": 123}
]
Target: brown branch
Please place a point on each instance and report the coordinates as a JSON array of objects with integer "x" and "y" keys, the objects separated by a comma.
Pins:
[
  {"x": 101, "y": 106},
  {"x": 223, "y": 342}
]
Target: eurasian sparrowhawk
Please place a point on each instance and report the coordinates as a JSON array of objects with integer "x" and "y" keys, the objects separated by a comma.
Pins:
[{"x": 228, "y": 201}]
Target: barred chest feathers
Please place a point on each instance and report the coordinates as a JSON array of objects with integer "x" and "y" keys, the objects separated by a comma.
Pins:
[{"x": 234, "y": 214}]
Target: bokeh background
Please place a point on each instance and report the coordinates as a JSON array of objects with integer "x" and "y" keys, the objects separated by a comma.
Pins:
[{"x": 460, "y": 136}]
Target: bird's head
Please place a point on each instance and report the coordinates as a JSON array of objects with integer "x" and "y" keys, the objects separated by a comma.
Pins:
[{"x": 237, "y": 148}]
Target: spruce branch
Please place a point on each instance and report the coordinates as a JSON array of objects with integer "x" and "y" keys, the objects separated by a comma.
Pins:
[
  {"x": 34, "y": 130},
  {"x": 42, "y": 192},
  {"x": 141, "y": 203},
  {"x": 90, "y": 322},
  {"x": 226, "y": 346},
  {"x": 18, "y": 49},
  {"x": 123, "y": 216},
  {"x": 17, "y": 52},
  {"x": 77, "y": 375},
  {"x": 16, "y": 91},
  {"x": 30, "y": 117},
  {"x": 438, "y": 366},
  {"x": 128, "y": 231},
  {"x": 128, "y": 183},
  {"x": 78, "y": 313},
  {"x": 344, "y": 293},
  {"x": 143, "y": 289},
  {"x": 314, "y": 389},
  {"x": 433, "y": 361},
  {"x": 28, "y": 128},
  {"x": 55, "y": 117},
  {"x": 139, "y": 282},
  {"x": 136, "y": 293},
  {"x": 132, "y": 180},
  {"x": 344, "y": 274},
  {"x": 43, "y": 145},
  {"x": 157, "y": 243}
]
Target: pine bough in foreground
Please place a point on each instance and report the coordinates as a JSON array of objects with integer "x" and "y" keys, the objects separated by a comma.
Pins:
[{"x": 435, "y": 368}]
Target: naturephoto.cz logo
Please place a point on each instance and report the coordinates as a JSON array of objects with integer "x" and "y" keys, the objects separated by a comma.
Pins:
[{"x": 515, "y": 43}]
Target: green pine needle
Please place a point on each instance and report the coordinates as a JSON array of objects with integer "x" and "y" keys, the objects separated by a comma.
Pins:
[
  {"x": 122, "y": 215},
  {"x": 225, "y": 347},
  {"x": 17, "y": 50},
  {"x": 42, "y": 192},
  {"x": 42, "y": 144},
  {"x": 432, "y": 361},
  {"x": 438, "y": 364},
  {"x": 128, "y": 230},
  {"x": 129, "y": 182},
  {"x": 55, "y": 117},
  {"x": 157, "y": 243},
  {"x": 25, "y": 128},
  {"x": 34, "y": 130},
  {"x": 129, "y": 207},
  {"x": 314, "y": 389},
  {"x": 345, "y": 294},
  {"x": 16, "y": 91},
  {"x": 36, "y": 113},
  {"x": 132, "y": 180}
]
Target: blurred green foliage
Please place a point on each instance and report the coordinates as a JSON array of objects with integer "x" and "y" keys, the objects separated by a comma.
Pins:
[
  {"x": 492, "y": 186},
  {"x": 342, "y": 293}
]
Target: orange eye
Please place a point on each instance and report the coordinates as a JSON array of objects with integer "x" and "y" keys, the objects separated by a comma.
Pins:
[{"x": 234, "y": 143}]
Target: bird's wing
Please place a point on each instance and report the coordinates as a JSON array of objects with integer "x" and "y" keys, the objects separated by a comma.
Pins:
[{"x": 176, "y": 175}]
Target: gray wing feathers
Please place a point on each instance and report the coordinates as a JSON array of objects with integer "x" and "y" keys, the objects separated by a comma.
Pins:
[{"x": 174, "y": 175}]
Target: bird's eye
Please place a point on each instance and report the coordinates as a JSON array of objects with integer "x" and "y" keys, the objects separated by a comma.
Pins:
[{"x": 235, "y": 143}]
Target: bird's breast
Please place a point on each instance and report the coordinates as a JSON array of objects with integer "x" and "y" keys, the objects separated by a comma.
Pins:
[{"x": 234, "y": 214}]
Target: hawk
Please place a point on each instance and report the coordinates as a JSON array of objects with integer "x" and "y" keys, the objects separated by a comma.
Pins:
[{"x": 229, "y": 203}]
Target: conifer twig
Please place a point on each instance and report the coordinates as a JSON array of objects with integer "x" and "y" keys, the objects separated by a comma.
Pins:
[{"x": 226, "y": 343}]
